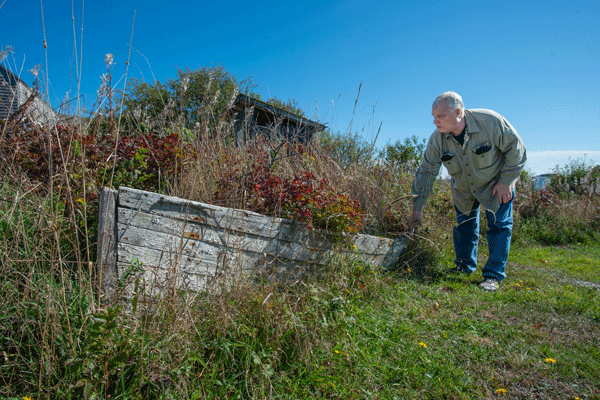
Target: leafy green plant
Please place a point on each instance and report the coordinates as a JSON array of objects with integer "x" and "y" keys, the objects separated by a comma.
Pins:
[
  {"x": 347, "y": 150},
  {"x": 403, "y": 155},
  {"x": 195, "y": 97},
  {"x": 579, "y": 176},
  {"x": 108, "y": 354}
]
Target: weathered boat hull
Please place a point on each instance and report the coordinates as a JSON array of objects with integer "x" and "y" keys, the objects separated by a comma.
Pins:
[{"x": 167, "y": 243}]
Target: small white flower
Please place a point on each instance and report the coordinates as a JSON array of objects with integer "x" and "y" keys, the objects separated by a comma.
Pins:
[{"x": 35, "y": 70}]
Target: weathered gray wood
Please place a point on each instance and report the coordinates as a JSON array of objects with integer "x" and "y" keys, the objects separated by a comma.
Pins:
[
  {"x": 205, "y": 241},
  {"x": 167, "y": 243},
  {"x": 106, "y": 253},
  {"x": 240, "y": 221}
]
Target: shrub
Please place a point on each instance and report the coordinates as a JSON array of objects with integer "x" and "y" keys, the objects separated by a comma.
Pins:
[
  {"x": 549, "y": 218},
  {"x": 555, "y": 229},
  {"x": 303, "y": 197},
  {"x": 346, "y": 149},
  {"x": 580, "y": 177},
  {"x": 405, "y": 156}
]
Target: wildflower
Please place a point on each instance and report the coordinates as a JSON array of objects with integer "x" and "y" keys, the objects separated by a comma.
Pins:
[
  {"x": 355, "y": 248},
  {"x": 337, "y": 352},
  {"x": 550, "y": 360},
  {"x": 409, "y": 270},
  {"x": 27, "y": 398},
  {"x": 500, "y": 391},
  {"x": 423, "y": 345},
  {"x": 517, "y": 284},
  {"x": 108, "y": 59},
  {"x": 35, "y": 70}
]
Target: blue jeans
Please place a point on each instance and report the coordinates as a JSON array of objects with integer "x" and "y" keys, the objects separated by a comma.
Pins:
[{"x": 466, "y": 239}]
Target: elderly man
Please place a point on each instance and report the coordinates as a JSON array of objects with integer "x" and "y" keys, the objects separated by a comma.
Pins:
[{"x": 484, "y": 155}]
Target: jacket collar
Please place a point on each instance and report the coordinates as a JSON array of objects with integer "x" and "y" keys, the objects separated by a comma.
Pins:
[{"x": 471, "y": 125}]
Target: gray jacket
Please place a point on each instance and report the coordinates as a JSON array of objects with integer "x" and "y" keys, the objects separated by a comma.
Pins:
[{"x": 492, "y": 152}]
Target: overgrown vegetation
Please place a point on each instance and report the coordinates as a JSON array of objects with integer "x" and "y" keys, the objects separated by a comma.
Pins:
[
  {"x": 356, "y": 332},
  {"x": 568, "y": 212}
]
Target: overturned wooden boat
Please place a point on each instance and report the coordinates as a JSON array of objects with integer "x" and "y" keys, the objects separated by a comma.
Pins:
[{"x": 166, "y": 243}]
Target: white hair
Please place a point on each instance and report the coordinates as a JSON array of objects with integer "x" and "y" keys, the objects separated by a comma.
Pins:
[{"x": 453, "y": 100}]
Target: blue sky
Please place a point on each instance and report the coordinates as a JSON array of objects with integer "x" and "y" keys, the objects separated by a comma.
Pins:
[{"x": 535, "y": 62}]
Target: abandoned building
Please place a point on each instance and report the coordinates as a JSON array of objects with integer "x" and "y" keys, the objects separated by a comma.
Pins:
[
  {"x": 14, "y": 93},
  {"x": 255, "y": 117}
]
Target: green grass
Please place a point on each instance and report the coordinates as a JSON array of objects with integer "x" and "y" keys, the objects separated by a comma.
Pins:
[{"x": 476, "y": 342}]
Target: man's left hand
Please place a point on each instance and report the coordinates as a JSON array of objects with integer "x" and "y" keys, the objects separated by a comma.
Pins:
[{"x": 503, "y": 192}]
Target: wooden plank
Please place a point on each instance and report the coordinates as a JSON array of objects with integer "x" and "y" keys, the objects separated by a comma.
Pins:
[
  {"x": 106, "y": 253},
  {"x": 158, "y": 271},
  {"x": 154, "y": 266},
  {"x": 205, "y": 241}
]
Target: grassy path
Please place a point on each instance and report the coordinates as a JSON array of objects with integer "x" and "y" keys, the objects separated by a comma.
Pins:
[{"x": 429, "y": 335}]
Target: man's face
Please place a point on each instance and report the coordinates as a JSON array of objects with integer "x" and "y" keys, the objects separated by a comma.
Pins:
[{"x": 445, "y": 119}]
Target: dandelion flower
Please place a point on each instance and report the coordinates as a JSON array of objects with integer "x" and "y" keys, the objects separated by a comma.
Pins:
[
  {"x": 409, "y": 270},
  {"x": 501, "y": 391},
  {"x": 337, "y": 352},
  {"x": 354, "y": 246},
  {"x": 517, "y": 284},
  {"x": 423, "y": 345},
  {"x": 550, "y": 360}
]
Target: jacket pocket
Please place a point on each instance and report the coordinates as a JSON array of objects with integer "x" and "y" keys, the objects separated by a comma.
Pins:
[
  {"x": 451, "y": 163},
  {"x": 483, "y": 156}
]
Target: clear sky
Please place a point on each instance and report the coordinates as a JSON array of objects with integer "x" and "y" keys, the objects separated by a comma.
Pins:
[{"x": 535, "y": 62}]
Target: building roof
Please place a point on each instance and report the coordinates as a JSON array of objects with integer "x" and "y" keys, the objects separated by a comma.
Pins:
[
  {"x": 243, "y": 102},
  {"x": 8, "y": 76}
]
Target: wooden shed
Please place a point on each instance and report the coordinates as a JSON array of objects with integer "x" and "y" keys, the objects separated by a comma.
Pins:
[
  {"x": 14, "y": 93},
  {"x": 255, "y": 117}
]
